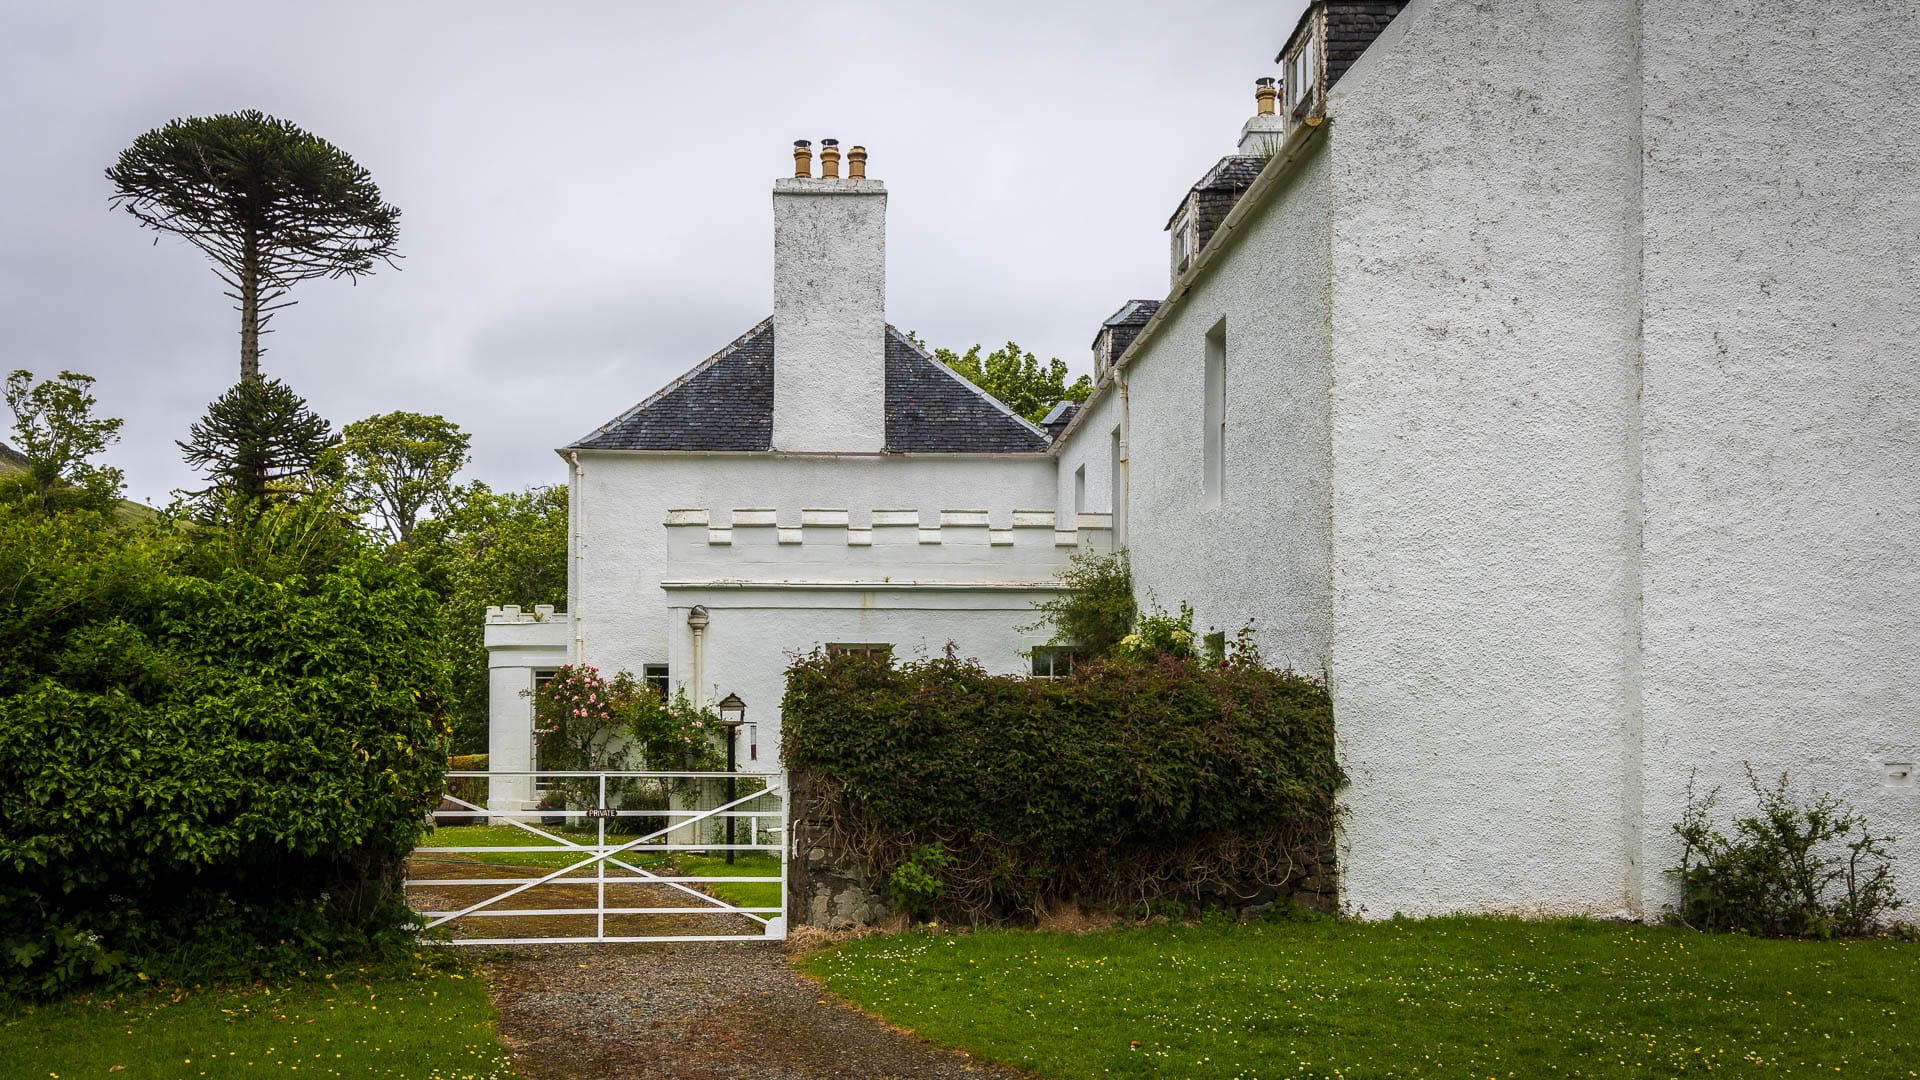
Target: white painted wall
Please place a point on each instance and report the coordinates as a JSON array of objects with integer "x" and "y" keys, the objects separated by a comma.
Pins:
[
  {"x": 518, "y": 643},
  {"x": 1484, "y": 354},
  {"x": 622, "y": 499},
  {"x": 1262, "y": 553},
  {"x": 1782, "y": 406},
  {"x": 829, "y": 315},
  {"x": 1089, "y": 446}
]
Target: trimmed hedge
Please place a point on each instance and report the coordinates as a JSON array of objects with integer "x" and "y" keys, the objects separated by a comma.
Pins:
[
  {"x": 1133, "y": 781},
  {"x": 204, "y": 778}
]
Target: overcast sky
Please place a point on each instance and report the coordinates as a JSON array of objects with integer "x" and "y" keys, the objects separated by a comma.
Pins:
[{"x": 585, "y": 189}]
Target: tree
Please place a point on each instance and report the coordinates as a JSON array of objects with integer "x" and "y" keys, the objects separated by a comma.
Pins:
[
  {"x": 401, "y": 464},
  {"x": 54, "y": 424},
  {"x": 488, "y": 548},
  {"x": 1018, "y": 378},
  {"x": 269, "y": 203},
  {"x": 257, "y": 440}
]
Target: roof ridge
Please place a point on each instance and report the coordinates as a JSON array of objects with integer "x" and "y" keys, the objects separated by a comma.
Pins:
[
  {"x": 1002, "y": 406},
  {"x": 727, "y": 350}
]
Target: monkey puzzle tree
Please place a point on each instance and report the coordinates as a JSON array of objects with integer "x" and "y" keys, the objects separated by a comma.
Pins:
[
  {"x": 258, "y": 440},
  {"x": 269, "y": 203}
]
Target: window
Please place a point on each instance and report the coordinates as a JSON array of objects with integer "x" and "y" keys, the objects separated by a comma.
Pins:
[
  {"x": 1214, "y": 438},
  {"x": 541, "y": 677},
  {"x": 1214, "y": 646},
  {"x": 1302, "y": 74},
  {"x": 1080, "y": 490},
  {"x": 655, "y": 676},
  {"x": 1050, "y": 662},
  {"x": 860, "y": 648},
  {"x": 1182, "y": 243}
]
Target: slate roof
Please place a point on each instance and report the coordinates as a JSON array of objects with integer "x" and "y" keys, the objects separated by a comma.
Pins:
[
  {"x": 1233, "y": 174},
  {"x": 726, "y": 403},
  {"x": 1351, "y": 27}
]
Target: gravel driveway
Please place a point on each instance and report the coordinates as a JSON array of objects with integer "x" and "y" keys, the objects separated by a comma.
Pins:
[{"x": 690, "y": 1011}]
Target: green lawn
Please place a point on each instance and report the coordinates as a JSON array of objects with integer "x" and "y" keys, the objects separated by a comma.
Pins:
[
  {"x": 745, "y": 864},
  {"x": 1466, "y": 997},
  {"x": 429, "y": 1026}
]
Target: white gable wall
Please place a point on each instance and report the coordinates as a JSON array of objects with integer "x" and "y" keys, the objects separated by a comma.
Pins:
[
  {"x": 622, "y": 499},
  {"x": 1485, "y": 458},
  {"x": 1782, "y": 202}
]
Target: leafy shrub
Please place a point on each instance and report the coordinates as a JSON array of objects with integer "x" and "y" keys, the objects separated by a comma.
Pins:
[
  {"x": 1157, "y": 632},
  {"x": 1792, "y": 869},
  {"x": 1129, "y": 782},
  {"x": 915, "y": 884},
  {"x": 203, "y": 776},
  {"x": 585, "y": 722},
  {"x": 1096, "y": 609}
]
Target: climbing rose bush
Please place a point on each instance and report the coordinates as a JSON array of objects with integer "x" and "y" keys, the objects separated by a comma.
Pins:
[{"x": 586, "y": 722}]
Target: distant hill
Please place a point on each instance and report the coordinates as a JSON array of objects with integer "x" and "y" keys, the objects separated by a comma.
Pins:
[{"x": 13, "y": 461}]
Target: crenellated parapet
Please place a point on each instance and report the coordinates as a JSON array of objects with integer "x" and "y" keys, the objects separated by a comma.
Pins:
[
  {"x": 892, "y": 546},
  {"x": 510, "y": 614}
]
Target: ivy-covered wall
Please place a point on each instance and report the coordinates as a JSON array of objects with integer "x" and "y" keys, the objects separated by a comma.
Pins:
[{"x": 1136, "y": 785}]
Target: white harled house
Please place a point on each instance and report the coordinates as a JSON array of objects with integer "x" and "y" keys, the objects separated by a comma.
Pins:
[{"x": 1547, "y": 376}]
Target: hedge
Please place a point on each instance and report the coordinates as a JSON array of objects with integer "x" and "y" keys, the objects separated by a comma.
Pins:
[
  {"x": 1131, "y": 782},
  {"x": 204, "y": 778}
]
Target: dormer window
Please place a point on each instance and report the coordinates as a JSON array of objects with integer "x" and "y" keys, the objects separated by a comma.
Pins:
[
  {"x": 1303, "y": 74},
  {"x": 1182, "y": 243}
]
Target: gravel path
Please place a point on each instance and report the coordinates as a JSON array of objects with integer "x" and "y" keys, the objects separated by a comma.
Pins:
[{"x": 695, "y": 1011}]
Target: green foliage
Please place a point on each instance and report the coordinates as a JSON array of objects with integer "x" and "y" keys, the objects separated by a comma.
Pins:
[
  {"x": 576, "y": 719},
  {"x": 311, "y": 532},
  {"x": 1442, "y": 997},
  {"x": 56, "y": 431},
  {"x": 1127, "y": 782},
  {"x": 203, "y": 775},
  {"x": 1096, "y": 609},
  {"x": 402, "y": 464},
  {"x": 259, "y": 440},
  {"x": 915, "y": 884},
  {"x": 269, "y": 203},
  {"x": 583, "y": 721},
  {"x": 1157, "y": 632},
  {"x": 1017, "y": 378},
  {"x": 1792, "y": 869},
  {"x": 487, "y": 548}
]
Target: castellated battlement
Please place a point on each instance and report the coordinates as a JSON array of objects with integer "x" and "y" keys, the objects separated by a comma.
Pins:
[
  {"x": 892, "y": 547},
  {"x": 513, "y": 614}
]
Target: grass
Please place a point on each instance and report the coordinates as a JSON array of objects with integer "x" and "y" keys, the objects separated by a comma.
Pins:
[
  {"x": 746, "y": 863},
  {"x": 425, "y": 1026},
  {"x": 1475, "y": 997},
  {"x": 756, "y": 894}
]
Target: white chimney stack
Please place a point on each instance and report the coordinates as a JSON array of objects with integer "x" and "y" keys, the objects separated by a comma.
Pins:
[{"x": 829, "y": 310}]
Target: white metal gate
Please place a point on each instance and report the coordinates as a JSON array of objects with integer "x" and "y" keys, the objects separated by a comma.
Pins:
[{"x": 552, "y": 873}]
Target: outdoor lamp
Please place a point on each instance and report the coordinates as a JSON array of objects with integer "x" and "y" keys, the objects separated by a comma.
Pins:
[{"x": 733, "y": 713}]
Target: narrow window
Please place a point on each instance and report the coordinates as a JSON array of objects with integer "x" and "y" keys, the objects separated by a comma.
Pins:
[
  {"x": 1053, "y": 662},
  {"x": 1215, "y": 436},
  {"x": 656, "y": 676},
  {"x": 541, "y": 677},
  {"x": 1080, "y": 490}
]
